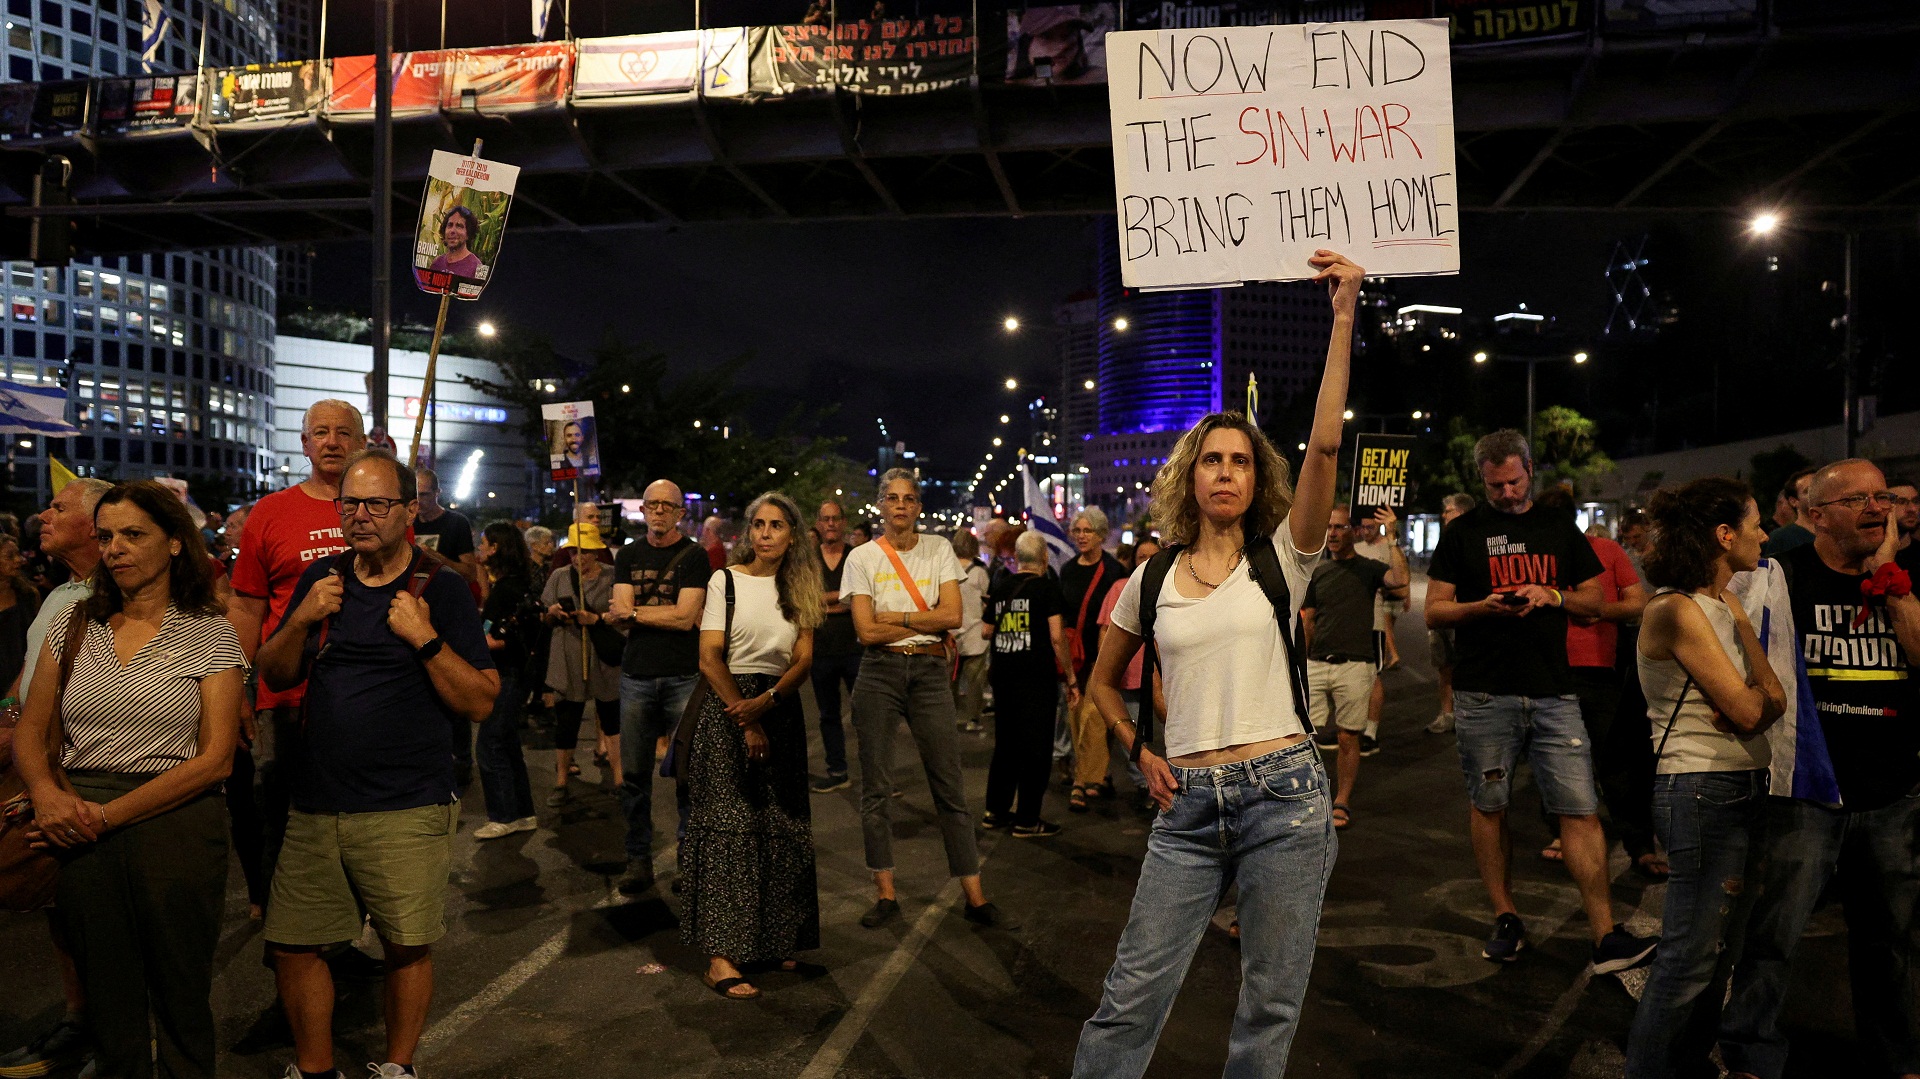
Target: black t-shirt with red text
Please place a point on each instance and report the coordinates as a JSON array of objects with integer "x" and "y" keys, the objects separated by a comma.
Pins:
[
  {"x": 1485, "y": 551},
  {"x": 1860, "y": 679}
]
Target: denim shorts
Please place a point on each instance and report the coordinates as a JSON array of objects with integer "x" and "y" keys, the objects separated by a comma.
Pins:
[{"x": 1494, "y": 731}]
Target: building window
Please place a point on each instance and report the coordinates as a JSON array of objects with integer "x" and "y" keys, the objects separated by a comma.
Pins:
[{"x": 51, "y": 44}]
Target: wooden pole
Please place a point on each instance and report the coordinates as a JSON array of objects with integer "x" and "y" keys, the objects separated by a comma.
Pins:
[
  {"x": 579, "y": 551},
  {"x": 426, "y": 386}
]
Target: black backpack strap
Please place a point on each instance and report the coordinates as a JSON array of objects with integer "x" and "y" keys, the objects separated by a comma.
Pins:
[
  {"x": 1263, "y": 563},
  {"x": 1150, "y": 584}
]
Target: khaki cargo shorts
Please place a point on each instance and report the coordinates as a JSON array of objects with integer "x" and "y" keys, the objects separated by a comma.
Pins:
[{"x": 393, "y": 863}]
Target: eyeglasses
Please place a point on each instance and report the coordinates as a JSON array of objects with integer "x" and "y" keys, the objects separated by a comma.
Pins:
[
  {"x": 660, "y": 507},
  {"x": 375, "y": 507},
  {"x": 1856, "y": 503},
  {"x": 1899, "y": 501},
  {"x": 1081, "y": 532},
  {"x": 901, "y": 500}
]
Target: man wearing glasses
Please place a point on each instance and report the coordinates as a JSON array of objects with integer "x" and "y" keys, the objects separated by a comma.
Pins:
[
  {"x": 1853, "y": 823},
  {"x": 659, "y": 589},
  {"x": 391, "y": 647}
]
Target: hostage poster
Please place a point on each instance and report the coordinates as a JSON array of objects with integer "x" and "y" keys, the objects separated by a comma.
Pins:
[
  {"x": 573, "y": 444},
  {"x": 1238, "y": 151},
  {"x": 463, "y": 221}
]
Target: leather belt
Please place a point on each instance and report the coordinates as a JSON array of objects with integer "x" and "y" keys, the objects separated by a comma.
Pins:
[{"x": 914, "y": 649}]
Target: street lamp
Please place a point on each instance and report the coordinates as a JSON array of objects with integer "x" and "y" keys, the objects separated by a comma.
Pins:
[
  {"x": 485, "y": 329},
  {"x": 1531, "y": 362},
  {"x": 1479, "y": 357},
  {"x": 1013, "y": 384},
  {"x": 1768, "y": 222},
  {"x": 1121, "y": 324},
  {"x": 1011, "y": 323},
  {"x": 1764, "y": 223}
]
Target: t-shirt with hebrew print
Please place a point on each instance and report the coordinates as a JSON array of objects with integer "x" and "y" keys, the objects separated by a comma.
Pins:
[
  {"x": 286, "y": 532},
  {"x": 1486, "y": 551},
  {"x": 869, "y": 572},
  {"x": 1862, "y": 684}
]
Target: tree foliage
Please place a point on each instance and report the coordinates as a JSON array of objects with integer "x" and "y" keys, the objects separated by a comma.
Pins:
[
  {"x": 691, "y": 429},
  {"x": 1567, "y": 450}
]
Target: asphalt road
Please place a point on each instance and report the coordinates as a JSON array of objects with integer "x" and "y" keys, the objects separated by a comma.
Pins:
[{"x": 546, "y": 971}]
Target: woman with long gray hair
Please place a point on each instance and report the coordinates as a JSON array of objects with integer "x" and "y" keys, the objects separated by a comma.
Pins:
[{"x": 748, "y": 852}]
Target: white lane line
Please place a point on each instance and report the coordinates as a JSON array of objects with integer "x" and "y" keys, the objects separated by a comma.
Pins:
[{"x": 846, "y": 1034}]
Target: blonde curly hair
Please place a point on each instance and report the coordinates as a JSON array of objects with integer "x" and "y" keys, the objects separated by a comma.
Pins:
[{"x": 1176, "y": 513}]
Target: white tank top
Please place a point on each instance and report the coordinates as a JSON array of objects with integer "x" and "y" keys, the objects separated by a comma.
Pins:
[{"x": 1695, "y": 744}]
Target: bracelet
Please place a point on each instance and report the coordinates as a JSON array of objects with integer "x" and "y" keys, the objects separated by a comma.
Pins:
[
  {"x": 104, "y": 822},
  {"x": 906, "y": 620},
  {"x": 1559, "y": 600}
]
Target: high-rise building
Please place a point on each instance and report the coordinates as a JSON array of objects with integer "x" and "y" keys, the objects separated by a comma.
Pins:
[
  {"x": 1169, "y": 358},
  {"x": 167, "y": 357}
]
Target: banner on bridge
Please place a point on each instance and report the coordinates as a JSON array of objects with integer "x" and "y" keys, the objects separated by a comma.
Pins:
[
  {"x": 147, "y": 103},
  {"x": 714, "y": 61},
  {"x": 509, "y": 76},
  {"x": 266, "y": 91},
  {"x": 1239, "y": 151},
  {"x": 890, "y": 56},
  {"x": 1491, "y": 22},
  {"x": 417, "y": 81}
]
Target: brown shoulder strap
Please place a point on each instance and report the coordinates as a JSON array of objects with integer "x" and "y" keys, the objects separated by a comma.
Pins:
[{"x": 69, "y": 652}]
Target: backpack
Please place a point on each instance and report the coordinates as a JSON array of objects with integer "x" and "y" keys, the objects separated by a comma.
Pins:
[{"x": 1263, "y": 565}]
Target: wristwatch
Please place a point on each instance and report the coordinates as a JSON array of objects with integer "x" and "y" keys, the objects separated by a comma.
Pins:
[{"x": 426, "y": 652}]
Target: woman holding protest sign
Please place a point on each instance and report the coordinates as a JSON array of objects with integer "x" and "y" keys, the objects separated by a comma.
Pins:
[{"x": 1243, "y": 796}]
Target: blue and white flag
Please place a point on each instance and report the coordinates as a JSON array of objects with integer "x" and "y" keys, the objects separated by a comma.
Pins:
[
  {"x": 34, "y": 410},
  {"x": 153, "y": 30},
  {"x": 541, "y": 10},
  {"x": 1040, "y": 519}
]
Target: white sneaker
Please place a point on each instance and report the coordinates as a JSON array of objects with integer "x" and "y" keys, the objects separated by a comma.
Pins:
[
  {"x": 1441, "y": 724},
  {"x": 293, "y": 1072},
  {"x": 392, "y": 1071},
  {"x": 494, "y": 829}
]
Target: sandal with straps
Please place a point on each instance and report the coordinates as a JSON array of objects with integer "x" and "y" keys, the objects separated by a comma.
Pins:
[
  {"x": 1342, "y": 816},
  {"x": 1077, "y": 801},
  {"x": 726, "y": 986}
]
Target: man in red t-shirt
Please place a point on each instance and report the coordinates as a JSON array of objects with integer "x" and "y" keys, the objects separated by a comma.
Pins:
[{"x": 287, "y": 532}]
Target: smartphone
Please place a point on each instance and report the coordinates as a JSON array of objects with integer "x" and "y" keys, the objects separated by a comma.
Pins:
[
  {"x": 567, "y": 604},
  {"x": 1513, "y": 599}
]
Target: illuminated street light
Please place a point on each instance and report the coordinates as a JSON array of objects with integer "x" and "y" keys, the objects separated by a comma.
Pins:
[
  {"x": 1479, "y": 357},
  {"x": 1012, "y": 324},
  {"x": 1004, "y": 418},
  {"x": 1121, "y": 324},
  {"x": 1764, "y": 223},
  {"x": 485, "y": 329},
  {"x": 1013, "y": 384},
  {"x": 1089, "y": 384},
  {"x": 1417, "y": 413},
  {"x": 624, "y": 388},
  {"x": 1579, "y": 357},
  {"x": 1347, "y": 415},
  {"x": 996, "y": 442}
]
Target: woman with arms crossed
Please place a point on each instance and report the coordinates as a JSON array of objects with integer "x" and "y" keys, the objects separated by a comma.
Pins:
[{"x": 1242, "y": 793}]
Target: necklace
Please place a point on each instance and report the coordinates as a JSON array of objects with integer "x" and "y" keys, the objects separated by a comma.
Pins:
[{"x": 1231, "y": 566}]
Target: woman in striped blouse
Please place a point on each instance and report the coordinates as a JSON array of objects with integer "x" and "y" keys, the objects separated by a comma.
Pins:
[{"x": 126, "y": 788}]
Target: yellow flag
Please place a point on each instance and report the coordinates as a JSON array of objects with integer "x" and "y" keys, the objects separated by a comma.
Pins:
[{"x": 62, "y": 475}]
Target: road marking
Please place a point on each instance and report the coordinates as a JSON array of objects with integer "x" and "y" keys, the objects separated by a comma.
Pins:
[{"x": 833, "y": 1053}]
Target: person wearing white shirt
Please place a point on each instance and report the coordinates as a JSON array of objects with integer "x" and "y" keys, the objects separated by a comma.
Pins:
[
  {"x": 970, "y": 686},
  {"x": 905, "y": 592},
  {"x": 1242, "y": 793},
  {"x": 751, "y": 895}
]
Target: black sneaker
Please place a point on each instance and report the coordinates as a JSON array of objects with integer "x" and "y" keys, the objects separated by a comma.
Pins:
[
  {"x": 884, "y": 911},
  {"x": 1369, "y": 745},
  {"x": 637, "y": 882},
  {"x": 1621, "y": 950},
  {"x": 61, "y": 1046},
  {"x": 991, "y": 820},
  {"x": 988, "y": 916},
  {"x": 1037, "y": 830},
  {"x": 829, "y": 783},
  {"x": 1508, "y": 941}
]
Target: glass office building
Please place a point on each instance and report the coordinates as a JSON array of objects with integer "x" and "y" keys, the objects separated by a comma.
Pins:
[{"x": 168, "y": 356}]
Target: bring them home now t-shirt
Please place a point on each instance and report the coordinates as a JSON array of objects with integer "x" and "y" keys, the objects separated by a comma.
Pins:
[
  {"x": 1486, "y": 551},
  {"x": 1020, "y": 609},
  {"x": 1862, "y": 683}
]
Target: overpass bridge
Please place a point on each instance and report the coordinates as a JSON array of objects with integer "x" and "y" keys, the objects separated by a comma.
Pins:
[{"x": 1823, "y": 118}]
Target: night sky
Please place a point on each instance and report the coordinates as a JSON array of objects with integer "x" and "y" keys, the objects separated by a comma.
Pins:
[{"x": 902, "y": 319}]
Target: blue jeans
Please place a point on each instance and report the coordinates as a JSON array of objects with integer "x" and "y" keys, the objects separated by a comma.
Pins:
[
  {"x": 1872, "y": 854},
  {"x": 1492, "y": 732},
  {"x": 1265, "y": 824},
  {"x": 1712, "y": 824},
  {"x": 649, "y": 708},
  {"x": 830, "y": 675},
  {"x": 502, "y": 764}
]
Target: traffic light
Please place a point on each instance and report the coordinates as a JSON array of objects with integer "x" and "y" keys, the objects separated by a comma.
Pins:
[{"x": 50, "y": 239}]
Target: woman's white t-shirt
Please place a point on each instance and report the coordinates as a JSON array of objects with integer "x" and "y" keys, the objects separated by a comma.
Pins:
[
  {"x": 869, "y": 572},
  {"x": 1222, "y": 662},
  {"x": 762, "y": 641}
]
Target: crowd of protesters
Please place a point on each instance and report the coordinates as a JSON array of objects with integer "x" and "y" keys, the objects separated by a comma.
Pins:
[{"x": 310, "y": 684}]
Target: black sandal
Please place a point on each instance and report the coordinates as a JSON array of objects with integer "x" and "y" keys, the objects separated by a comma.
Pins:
[
  {"x": 725, "y": 987},
  {"x": 1077, "y": 801}
]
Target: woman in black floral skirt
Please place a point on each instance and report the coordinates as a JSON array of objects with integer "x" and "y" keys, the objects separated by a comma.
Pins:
[{"x": 748, "y": 851}]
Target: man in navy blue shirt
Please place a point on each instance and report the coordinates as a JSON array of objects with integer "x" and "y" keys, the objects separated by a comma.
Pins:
[{"x": 392, "y": 649}]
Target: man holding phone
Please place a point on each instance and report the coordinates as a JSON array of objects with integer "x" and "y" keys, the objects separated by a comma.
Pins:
[{"x": 1504, "y": 577}]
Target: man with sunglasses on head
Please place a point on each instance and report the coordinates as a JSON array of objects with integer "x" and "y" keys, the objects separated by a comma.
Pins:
[
  {"x": 392, "y": 649},
  {"x": 660, "y": 590},
  {"x": 1852, "y": 817}
]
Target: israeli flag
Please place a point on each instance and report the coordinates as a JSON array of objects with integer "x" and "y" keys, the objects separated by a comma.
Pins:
[
  {"x": 541, "y": 10},
  {"x": 153, "y": 30},
  {"x": 1040, "y": 519},
  {"x": 34, "y": 410}
]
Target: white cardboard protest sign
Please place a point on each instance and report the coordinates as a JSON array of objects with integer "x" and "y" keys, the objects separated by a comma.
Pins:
[{"x": 1238, "y": 151}]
